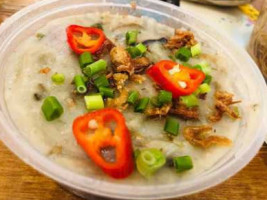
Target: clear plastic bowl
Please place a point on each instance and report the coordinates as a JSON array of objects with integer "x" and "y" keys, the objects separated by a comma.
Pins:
[{"x": 244, "y": 71}]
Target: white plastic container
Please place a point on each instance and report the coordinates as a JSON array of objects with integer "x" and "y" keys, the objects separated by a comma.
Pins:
[{"x": 245, "y": 72}]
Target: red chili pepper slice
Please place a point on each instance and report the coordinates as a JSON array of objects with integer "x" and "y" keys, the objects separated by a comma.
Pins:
[
  {"x": 94, "y": 134},
  {"x": 161, "y": 74},
  {"x": 85, "y": 39}
]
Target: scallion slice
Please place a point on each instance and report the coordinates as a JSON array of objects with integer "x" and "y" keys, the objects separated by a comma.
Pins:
[
  {"x": 101, "y": 81},
  {"x": 96, "y": 67},
  {"x": 58, "y": 78},
  {"x": 196, "y": 50},
  {"x": 133, "y": 97},
  {"x": 183, "y": 54},
  {"x": 141, "y": 47},
  {"x": 131, "y": 37},
  {"x": 208, "y": 79},
  {"x": 190, "y": 100},
  {"x": 106, "y": 92},
  {"x": 204, "y": 88},
  {"x": 80, "y": 84},
  {"x": 154, "y": 101},
  {"x": 164, "y": 97},
  {"x": 183, "y": 163},
  {"x": 149, "y": 161},
  {"x": 85, "y": 59},
  {"x": 172, "y": 126},
  {"x": 94, "y": 102},
  {"x": 205, "y": 67},
  {"x": 134, "y": 52},
  {"x": 51, "y": 108},
  {"x": 142, "y": 105}
]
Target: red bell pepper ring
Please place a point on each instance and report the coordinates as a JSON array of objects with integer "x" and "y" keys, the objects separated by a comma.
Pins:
[
  {"x": 85, "y": 39},
  {"x": 94, "y": 135},
  {"x": 160, "y": 73}
]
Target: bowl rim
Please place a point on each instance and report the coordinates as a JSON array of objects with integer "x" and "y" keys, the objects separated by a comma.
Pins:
[{"x": 97, "y": 187}]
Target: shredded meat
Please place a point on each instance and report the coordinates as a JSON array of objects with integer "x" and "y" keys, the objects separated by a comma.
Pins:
[
  {"x": 184, "y": 112},
  {"x": 159, "y": 111},
  {"x": 105, "y": 49},
  {"x": 45, "y": 70},
  {"x": 121, "y": 60},
  {"x": 137, "y": 78},
  {"x": 119, "y": 102},
  {"x": 120, "y": 80},
  {"x": 140, "y": 64},
  {"x": 181, "y": 39},
  {"x": 197, "y": 135},
  {"x": 222, "y": 102}
]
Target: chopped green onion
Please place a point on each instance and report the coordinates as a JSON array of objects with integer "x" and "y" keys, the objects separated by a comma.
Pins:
[
  {"x": 141, "y": 47},
  {"x": 154, "y": 102},
  {"x": 134, "y": 52},
  {"x": 51, "y": 108},
  {"x": 142, "y": 105},
  {"x": 133, "y": 97},
  {"x": 101, "y": 81},
  {"x": 205, "y": 67},
  {"x": 197, "y": 67},
  {"x": 58, "y": 78},
  {"x": 80, "y": 85},
  {"x": 94, "y": 102},
  {"x": 204, "y": 88},
  {"x": 183, "y": 163},
  {"x": 172, "y": 126},
  {"x": 190, "y": 100},
  {"x": 164, "y": 97},
  {"x": 85, "y": 59},
  {"x": 183, "y": 54},
  {"x": 149, "y": 161},
  {"x": 208, "y": 79},
  {"x": 196, "y": 50},
  {"x": 107, "y": 92},
  {"x": 131, "y": 37},
  {"x": 96, "y": 67},
  {"x": 98, "y": 25}
]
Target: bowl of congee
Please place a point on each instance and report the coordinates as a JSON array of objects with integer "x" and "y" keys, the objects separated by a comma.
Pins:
[{"x": 127, "y": 100}]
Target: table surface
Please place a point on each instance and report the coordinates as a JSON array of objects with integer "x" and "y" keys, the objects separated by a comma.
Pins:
[{"x": 19, "y": 181}]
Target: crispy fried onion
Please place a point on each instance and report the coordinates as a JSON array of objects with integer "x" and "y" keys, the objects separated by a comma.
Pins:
[
  {"x": 222, "y": 102},
  {"x": 137, "y": 78},
  {"x": 121, "y": 60},
  {"x": 140, "y": 64},
  {"x": 184, "y": 112},
  {"x": 197, "y": 136},
  {"x": 120, "y": 80},
  {"x": 181, "y": 39},
  {"x": 105, "y": 49},
  {"x": 119, "y": 102},
  {"x": 158, "y": 111}
]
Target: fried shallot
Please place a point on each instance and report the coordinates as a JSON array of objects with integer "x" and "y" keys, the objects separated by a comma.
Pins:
[
  {"x": 184, "y": 112},
  {"x": 222, "y": 102},
  {"x": 121, "y": 60},
  {"x": 154, "y": 112},
  {"x": 197, "y": 136},
  {"x": 181, "y": 39}
]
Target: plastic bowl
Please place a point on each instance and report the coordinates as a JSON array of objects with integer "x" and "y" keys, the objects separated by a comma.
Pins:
[{"x": 244, "y": 71}]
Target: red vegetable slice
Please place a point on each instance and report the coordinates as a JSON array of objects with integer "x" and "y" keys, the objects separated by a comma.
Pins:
[
  {"x": 109, "y": 147},
  {"x": 184, "y": 81},
  {"x": 85, "y": 39}
]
